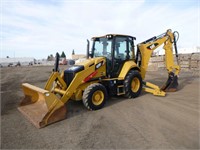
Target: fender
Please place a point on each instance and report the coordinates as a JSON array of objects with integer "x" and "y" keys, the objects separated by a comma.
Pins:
[{"x": 128, "y": 65}]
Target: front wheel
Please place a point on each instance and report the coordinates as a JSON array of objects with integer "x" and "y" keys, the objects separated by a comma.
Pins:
[
  {"x": 133, "y": 84},
  {"x": 94, "y": 96}
]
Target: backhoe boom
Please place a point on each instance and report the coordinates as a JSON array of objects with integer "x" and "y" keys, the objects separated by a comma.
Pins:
[{"x": 145, "y": 50}]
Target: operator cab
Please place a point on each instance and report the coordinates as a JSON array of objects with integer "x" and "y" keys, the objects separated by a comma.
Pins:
[{"x": 116, "y": 48}]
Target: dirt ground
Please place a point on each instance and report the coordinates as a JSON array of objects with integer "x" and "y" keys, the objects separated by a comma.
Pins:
[{"x": 146, "y": 122}]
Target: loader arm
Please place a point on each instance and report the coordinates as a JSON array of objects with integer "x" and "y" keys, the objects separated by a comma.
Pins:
[{"x": 144, "y": 52}]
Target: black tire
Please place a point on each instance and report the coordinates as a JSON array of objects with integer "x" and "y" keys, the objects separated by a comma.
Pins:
[
  {"x": 95, "y": 90},
  {"x": 133, "y": 84}
]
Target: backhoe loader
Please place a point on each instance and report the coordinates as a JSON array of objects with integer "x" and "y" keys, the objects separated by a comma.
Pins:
[{"x": 113, "y": 67}]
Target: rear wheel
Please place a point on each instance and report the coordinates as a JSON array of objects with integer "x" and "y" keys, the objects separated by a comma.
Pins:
[
  {"x": 94, "y": 96},
  {"x": 133, "y": 84}
]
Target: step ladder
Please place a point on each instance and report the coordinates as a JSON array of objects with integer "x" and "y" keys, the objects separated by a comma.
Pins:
[{"x": 120, "y": 90}]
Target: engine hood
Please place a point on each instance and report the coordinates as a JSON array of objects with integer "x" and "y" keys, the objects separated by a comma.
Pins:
[{"x": 91, "y": 61}]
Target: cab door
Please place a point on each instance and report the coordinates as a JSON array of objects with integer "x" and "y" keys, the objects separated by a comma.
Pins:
[{"x": 122, "y": 52}]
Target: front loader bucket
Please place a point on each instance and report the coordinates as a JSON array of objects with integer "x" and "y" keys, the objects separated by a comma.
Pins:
[
  {"x": 171, "y": 84},
  {"x": 40, "y": 106}
]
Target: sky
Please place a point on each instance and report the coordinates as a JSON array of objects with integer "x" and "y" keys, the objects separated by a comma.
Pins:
[{"x": 38, "y": 28}]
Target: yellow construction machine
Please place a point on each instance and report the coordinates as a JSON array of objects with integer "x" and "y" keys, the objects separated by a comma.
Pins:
[{"x": 113, "y": 67}]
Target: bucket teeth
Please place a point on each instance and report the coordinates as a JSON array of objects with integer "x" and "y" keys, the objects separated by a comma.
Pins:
[{"x": 171, "y": 84}]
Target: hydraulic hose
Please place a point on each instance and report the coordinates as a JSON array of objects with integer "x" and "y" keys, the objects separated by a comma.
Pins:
[{"x": 175, "y": 46}]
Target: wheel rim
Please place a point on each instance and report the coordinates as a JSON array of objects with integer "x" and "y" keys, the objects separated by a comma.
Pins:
[
  {"x": 135, "y": 84},
  {"x": 97, "y": 97}
]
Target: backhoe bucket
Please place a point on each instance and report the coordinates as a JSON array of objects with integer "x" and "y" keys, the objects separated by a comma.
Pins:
[
  {"x": 40, "y": 106},
  {"x": 171, "y": 84}
]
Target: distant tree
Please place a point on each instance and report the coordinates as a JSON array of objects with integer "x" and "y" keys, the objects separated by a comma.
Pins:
[
  {"x": 50, "y": 57},
  {"x": 63, "y": 55},
  {"x": 73, "y": 53}
]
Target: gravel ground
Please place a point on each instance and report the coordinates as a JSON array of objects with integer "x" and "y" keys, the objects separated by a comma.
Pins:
[{"x": 146, "y": 122}]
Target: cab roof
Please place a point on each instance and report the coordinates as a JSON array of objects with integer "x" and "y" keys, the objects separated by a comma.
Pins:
[{"x": 114, "y": 35}]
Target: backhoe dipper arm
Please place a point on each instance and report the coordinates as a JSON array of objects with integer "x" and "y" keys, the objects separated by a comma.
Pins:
[{"x": 145, "y": 50}]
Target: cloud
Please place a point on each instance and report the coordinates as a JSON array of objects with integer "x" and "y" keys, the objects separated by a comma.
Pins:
[{"x": 34, "y": 28}]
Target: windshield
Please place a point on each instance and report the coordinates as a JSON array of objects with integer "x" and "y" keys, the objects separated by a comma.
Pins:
[{"x": 102, "y": 47}]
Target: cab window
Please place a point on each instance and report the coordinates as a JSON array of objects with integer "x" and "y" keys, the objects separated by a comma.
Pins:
[
  {"x": 120, "y": 48},
  {"x": 123, "y": 48},
  {"x": 102, "y": 47}
]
